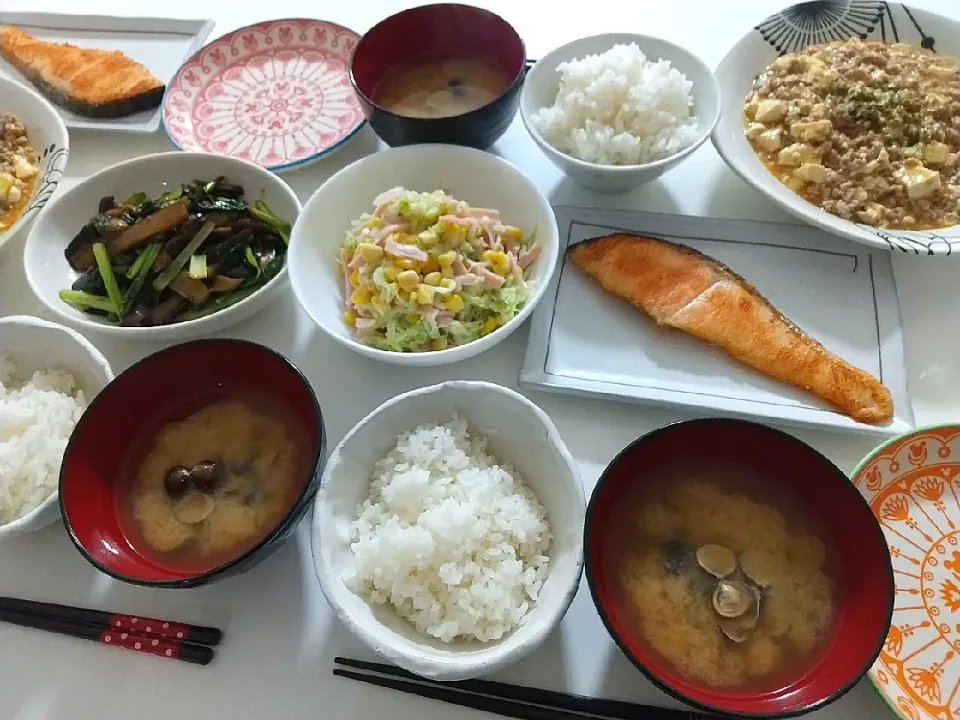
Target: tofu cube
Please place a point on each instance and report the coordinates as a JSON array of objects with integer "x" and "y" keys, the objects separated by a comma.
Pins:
[
  {"x": 812, "y": 131},
  {"x": 919, "y": 181},
  {"x": 23, "y": 168},
  {"x": 796, "y": 155},
  {"x": 6, "y": 182},
  {"x": 936, "y": 153},
  {"x": 754, "y": 129},
  {"x": 769, "y": 111},
  {"x": 769, "y": 140},
  {"x": 811, "y": 173}
]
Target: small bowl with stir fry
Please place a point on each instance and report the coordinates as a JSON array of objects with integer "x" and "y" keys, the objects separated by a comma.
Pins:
[
  {"x": 168, "y": 246},
  {"x": 34, "y": 147},
  {"x": 424, "y": 255}
]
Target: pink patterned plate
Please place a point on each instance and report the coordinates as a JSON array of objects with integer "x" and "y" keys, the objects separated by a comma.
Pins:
[
  {"x": 913, "y": 486},
  {"x": 277, "y": 93}
]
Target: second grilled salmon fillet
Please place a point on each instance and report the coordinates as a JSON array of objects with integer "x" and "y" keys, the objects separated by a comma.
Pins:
[
  {"x": 87, "y": 81},
  {"x": 684, "y": 289}
]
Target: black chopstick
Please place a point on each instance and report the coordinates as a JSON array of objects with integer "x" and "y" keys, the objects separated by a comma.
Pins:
[
  {"x": 153, "y": 627},
  {"x": 452, "y": 696},
  {"x": 477, "y": 693},
  {"x": 148, "y": 644}
]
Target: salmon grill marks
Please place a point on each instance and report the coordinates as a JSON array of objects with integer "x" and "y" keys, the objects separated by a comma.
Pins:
[
  {"x": 86, "y": 81},
  {"x": 681, "y": 288}
]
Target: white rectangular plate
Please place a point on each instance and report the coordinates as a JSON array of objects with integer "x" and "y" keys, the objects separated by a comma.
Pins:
[
  {"x": 586, "y": 341},
  {"x": 160, "y": 44}
]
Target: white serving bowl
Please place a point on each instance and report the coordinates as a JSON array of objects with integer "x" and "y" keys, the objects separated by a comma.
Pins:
[
  {"x": 481, "y": 179},
  {"x": 517, "y": 432},
  {"x": 48, "y": 135},
  {"x": 543, "y": 81},
  {"x": 48, "y": 271},
  {"x": 793, "y": 29},
  {"x": 34, "y": 344}
]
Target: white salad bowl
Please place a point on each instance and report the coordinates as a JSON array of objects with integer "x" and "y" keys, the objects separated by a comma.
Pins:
[
  {"x": 48, "y": 271},
  {"x": 48, "y": 136},
  {"x": 517, "y": 431},
  {"x": 33, "y": 344},
  {"x": 791, "y": 30},
  {"x": 543, "y": 81},
  {"x": 476, "y": 177}
]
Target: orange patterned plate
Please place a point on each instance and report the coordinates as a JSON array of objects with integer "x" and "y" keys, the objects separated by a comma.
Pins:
[{"x": 913, "y": 485}]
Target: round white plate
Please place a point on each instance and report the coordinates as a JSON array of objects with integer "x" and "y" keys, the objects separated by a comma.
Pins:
[{"x": 791, "y": 30}]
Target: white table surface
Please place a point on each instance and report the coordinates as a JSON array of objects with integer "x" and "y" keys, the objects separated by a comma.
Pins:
[{"x": 280, "y": 636}]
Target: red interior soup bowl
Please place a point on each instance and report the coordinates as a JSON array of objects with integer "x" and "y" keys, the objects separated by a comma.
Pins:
[
  {"x": 443, "y": 73},
  {"x": 738, "y": 568},
  {"x": 194, "y": 464}
]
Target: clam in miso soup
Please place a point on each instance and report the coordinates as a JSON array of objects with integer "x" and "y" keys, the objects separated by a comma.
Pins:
[
  {"x": 210, "y": 483},
  {"x": 724, "y": 579},
  {"x": 441, "y": 88}
]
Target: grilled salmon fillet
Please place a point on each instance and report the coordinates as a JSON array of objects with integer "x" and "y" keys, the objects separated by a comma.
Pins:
[
  {"x": 681, "y": 288},
  {"x": 86, "y": 81}
]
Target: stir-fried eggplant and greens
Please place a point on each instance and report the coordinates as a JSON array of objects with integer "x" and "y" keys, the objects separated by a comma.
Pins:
[{"x": 189, "y": 253}]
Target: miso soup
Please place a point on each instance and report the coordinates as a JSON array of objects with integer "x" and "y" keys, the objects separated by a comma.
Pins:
[
  {"x": 209, "y": 483},
  {"x": 441, "y": 88},
  {"x": 722, "y": 576}
]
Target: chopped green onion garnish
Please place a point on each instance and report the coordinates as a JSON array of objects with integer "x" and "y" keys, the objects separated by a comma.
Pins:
[
  {"x": 198, "y": 267},
  {"x": 174, "y": 268}
]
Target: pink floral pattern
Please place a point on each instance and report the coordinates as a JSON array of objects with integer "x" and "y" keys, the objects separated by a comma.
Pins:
[{"x": 276, "y": 94}]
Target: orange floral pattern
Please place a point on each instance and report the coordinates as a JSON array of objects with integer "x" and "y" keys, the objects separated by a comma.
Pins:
[{"x": 912, "y": 486}]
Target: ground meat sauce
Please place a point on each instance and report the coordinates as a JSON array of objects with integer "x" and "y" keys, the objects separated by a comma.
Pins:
[
  {"x": 18, "y": 169},
  {"x": 863, "y": 130}
]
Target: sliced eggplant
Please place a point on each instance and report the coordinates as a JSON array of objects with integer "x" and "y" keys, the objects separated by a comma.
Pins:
[
  {"x": 168, "y": 311},
  {"x": 79, "y": 252},
  {"x": 224, "y": 283}
]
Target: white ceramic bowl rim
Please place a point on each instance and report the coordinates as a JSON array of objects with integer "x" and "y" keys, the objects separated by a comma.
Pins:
[
  {"x": 551, "y": 59},
  {"x": 15, "y": 526},
  {"x": 183, "y": 329},
  {"x": 545, "y": 262},
  {"x": 525, "y": 637}
]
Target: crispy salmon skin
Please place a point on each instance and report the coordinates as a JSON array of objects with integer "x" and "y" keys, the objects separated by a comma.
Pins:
[
  {"x": 681, "y": 288},
  {"x": 86, "y": 81}
]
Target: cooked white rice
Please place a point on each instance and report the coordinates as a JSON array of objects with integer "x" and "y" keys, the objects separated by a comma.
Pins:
[
  {"x": 454, "y": 541},
  {"x": 37, "y": 417},
  {"x": 619, "y": 108}
]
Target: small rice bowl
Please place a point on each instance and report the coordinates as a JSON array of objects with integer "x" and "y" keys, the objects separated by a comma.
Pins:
[
  {"x": 452, "y": 540},
  {"x": 619, "y": 108},
  {"x": 37, "y": 417}
]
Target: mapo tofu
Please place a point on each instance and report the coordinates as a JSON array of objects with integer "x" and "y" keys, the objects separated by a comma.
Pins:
[{"x": 863, "y": 130}]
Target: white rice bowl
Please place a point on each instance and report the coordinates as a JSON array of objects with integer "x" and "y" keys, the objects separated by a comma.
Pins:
[
  {"x": 619, "y": 107},
  {"x": 455, "y": 542},
  {"x": 37, "y": 416},
  {"x": 413, "y": 591}
]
